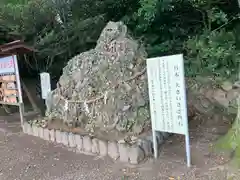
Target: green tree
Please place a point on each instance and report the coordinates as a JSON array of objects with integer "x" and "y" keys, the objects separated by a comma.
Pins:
[
  {"x": 53, "y": 28},
  {"x": 61, "y": 29}
]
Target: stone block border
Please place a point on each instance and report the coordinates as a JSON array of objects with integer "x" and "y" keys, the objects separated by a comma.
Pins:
[{"x": 127, "y": 153}]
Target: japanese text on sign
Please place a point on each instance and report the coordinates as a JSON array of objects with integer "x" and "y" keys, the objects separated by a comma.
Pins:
[{"x": 167, "y": 94}]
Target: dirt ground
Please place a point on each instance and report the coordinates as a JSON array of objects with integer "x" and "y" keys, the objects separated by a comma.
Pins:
[{"x": 25, "y": 157}]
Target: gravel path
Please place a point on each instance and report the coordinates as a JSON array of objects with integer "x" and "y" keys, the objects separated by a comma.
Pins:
[
  {"x": 27, "y": 158},
  {"x": 24, "y": 157}
]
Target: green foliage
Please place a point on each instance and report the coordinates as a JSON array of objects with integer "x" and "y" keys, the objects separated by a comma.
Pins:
[
  {"x": 201, "y": 29},
  {"x": 204, "y": 30},
  {"x": 218, "y": 16},
  {"x": 53, "y": 29},
  {"x": 212, "y": 54},
  {"x": 148, "y": 9}
]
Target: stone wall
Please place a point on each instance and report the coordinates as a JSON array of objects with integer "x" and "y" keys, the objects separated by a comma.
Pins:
[
  {"x": 209, "y": 97},
  {"x": 134, "y": 153}
]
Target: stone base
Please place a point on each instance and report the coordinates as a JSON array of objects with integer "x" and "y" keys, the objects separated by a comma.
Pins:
[{"x": 133, "y": 154}]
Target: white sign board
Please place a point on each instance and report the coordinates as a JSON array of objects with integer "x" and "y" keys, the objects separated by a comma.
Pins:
[
  {"x": 45, "y": 84},
  {"x": 167, "y": 96}
]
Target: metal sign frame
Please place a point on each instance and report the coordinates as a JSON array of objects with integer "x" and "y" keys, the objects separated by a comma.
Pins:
[{"x": 167, "y": 95}]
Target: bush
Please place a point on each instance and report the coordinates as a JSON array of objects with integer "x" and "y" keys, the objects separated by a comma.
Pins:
[{"x": 212, "y": 54}]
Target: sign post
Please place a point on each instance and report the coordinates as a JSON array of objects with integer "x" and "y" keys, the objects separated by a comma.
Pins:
[
  {"x": 10, "y": 86},
  {"x": 167, "y": 96},
  {"x": 45, "y": 84}
]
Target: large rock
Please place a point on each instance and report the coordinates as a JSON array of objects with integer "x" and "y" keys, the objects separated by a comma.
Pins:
[{"x": 104, "y": 88}]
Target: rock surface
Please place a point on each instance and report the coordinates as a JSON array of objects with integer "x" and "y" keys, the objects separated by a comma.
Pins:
[
  {"x": 206, "y": 98},
  {"x": 104, "y": 88}
]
